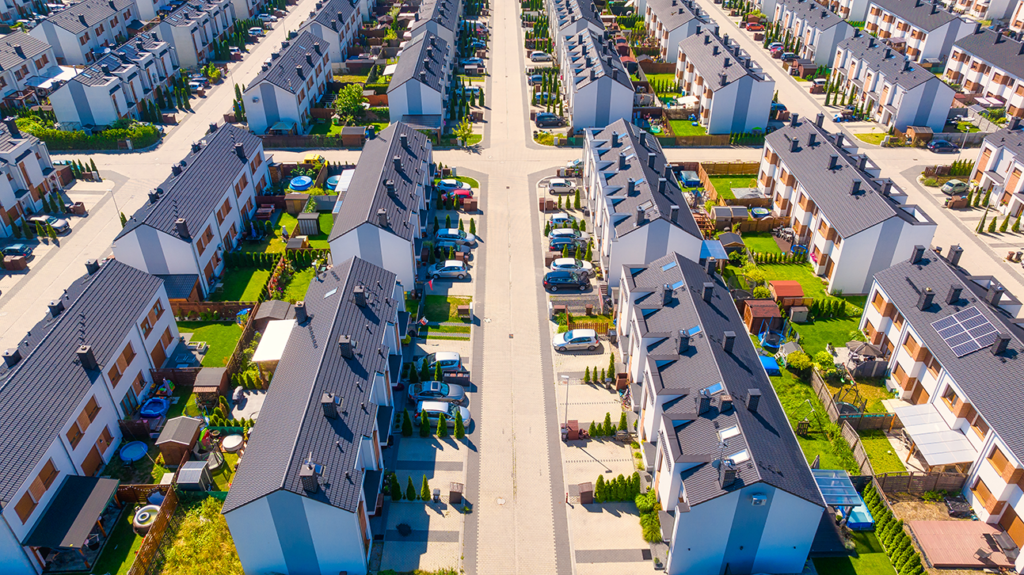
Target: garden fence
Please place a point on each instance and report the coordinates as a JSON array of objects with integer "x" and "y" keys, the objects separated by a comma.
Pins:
[
  {"x": 762, "y": 225},
  {"x": 600, "y": 327},
  {"x": 721, "y": 141},
  {"x": 920, "y": 482},
  {"x": 223, "y": 310},
  {"x": 306, "y": 142},
  {"x": 149, "y": 558},
  {"x": 857, "y": 421},
  {"x": 859, "y": 453},
  {"x": 138, "y": 493}
]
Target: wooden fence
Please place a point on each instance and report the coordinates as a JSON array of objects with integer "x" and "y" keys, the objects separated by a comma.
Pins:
[
  {"x": 224, "y": 310},
  {"x": 920, "y": 482},
  {"x": 139, "y": 493},
  {"x": 279, "y": 142},
  {"x": 721, "y": 141},
  {"x": 151, "y": 542},
  {"x": 762, "y": 225},
  {"x": 859, "y": 454},
  {"x": 599, "y": 326},
  {"x": 185, "y": 376},
  {"x": 706, "y": 170},
  {"x": 857, "y": 421}
]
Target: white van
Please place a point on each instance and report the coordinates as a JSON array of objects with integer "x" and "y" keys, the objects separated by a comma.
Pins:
[{"x": 560, "y": 185}]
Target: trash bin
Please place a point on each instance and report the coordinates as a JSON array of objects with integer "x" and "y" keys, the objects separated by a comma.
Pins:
[
  {"x": 613, "y": 336},
  {"x": 455, "y": 493}
]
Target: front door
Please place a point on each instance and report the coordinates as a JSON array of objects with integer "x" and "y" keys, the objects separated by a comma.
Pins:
[
  {"x": 92, "y": 462},
  {"x": 158, "y": 355}
]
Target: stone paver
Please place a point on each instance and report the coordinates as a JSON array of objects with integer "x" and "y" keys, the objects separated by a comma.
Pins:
[{"x": 434, "y": 542}]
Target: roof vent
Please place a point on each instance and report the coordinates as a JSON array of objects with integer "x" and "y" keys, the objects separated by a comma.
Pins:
[
  {"x": 347, "y": 346},
  {"x": 953, "y": 296},
  {"x": 811, "y": 139},
  {"x": 1000, "y": 344},
  {"x": 12, "y": 357},
  {"x": 794, "y": 119},
  {"x": 917, "y": 254},
  {"x": 707, "y": 291},
  {"x": 709, "y": 266},
  {"x": 993, "y": 294},
  {"x": 855, "y": 187},
  {"x": 240, "y": 150},
  {"x": 382, "y": 218},
  {"x": 213, "y": 127},
  {"x": 301, "y": 315},
  {"x": 88, "y": 358},
  {"x": 726, "y": 473},
  {"x": 331, "y": 405},
  {"x": 673, "y": 211},
  {"x": 684, "y": 341},
  {"x": 310, "y": 477},
  {"x": 728, "y": 340},
  {"x": 398, "y": 163},
  {"x": 924, "y": 301},
  {"x": 666, "y": 294},
  {"x": 56, "y": 306},
  {"x": 954, "y": 255},
  {"x": 181, "y": 226},
  {"x": 359, "y": 295},
  {"x": 725, "y": 403},
  {"x": 703, "y": 401},
  {"x": 175, "y": 170},
  {"x": 753, "y": 399},
  {"x": 92, "y": 266}
]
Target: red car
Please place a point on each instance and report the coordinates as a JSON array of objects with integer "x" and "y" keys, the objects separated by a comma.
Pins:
[
  {"x": 755, "y": 27},
  {"x": 459, "y": 194}
]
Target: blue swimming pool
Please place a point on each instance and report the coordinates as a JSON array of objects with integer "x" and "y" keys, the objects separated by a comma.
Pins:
[
  {"x": 860, "y": 519},
  {"x": 134, "y": 451}
]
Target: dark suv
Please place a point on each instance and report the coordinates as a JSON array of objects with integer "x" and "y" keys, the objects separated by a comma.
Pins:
[
  {"x": 546, "y": 119},
  {"x": 555, "y": 281}
]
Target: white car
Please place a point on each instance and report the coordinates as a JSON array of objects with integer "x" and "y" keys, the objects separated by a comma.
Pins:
[
  {"x": 540, "y": 57},
  {"x": 455, "y": 235},
  {"x": 60, "y": 225},
  {"x": 450, "y": 362},
  {"x": 449, "y": 185},
  {"x": 575, "y": 339},
  {"x": 267, "y": 17},
  {"x": 568, "y": 233},
  {"x": 573, "y": 265},
  {"x": 561, "y": 219},
  {"x": 434, "y": 409},
  {"x": 574, "y": 163},
  {"x": 448, "y": 269}
]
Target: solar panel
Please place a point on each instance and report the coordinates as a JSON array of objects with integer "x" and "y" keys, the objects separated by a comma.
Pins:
[{"x": 966, "y": 331}]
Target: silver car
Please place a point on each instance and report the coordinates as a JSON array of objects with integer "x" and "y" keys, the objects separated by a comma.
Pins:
[
  {"x": 568, "y": 233},
  {"x": 434, "y": 409},
  {"x": 575, "y": 340},
  {"x": 455, "y": 235},
  {"x": 448, "y": 269},
  {"x": 437, "y": 391}
]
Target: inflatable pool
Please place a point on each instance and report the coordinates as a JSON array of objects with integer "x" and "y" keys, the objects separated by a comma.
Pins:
[
  {"x": 332, "y": 182},
  {"x": 155, "y": 407},
  {"x": 301, "y": 183},
  {"x": 132, "y": 452}
]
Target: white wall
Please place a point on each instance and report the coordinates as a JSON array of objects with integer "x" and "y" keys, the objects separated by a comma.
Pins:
[
  {"x": 13, "y": 557},
  {"x": 336, "y": 538},
  {"x": 254, "y": 533},
  {"x": 403, "y": 99},
  {"x": 378, "y": 247}
]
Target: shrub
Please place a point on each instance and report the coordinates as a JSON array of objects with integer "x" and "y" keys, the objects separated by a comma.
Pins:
[
  {"x": 424, "y": 424},
  {"x": 593, "y": 430},
  {"x": 798, "y": 361},
  {"x": 425, "y": 490},
  {"x": 410, "y": 490},
  {"x": 599, "y": 489},
  {"x": 442, "y": 426},
  {"x": 761, "y": 292},
  {"x": 396, "y": 490},
  {"x": 586, "y": 375},
  {"x": 608, "y": 429},
  {"x": 623, "y": 425},
  {"x": 406, "y": 424},
  {"x": 651, "y": 525},
  {"x": 644, "y": 503},
  {"x": 460, "y": 426}
]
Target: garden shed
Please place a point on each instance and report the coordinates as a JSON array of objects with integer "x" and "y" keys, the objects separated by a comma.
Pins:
[
  {"x": 211, "y": 383},
  {"x": 309, "y": 224},
  {"x": 726, "y": 216},
  {"x": 353, "y": 136},
  {"x": 731, "y": 242},
  {"x": 178, "y": 438},
  {"x": 787, "y": 292},
  {"x": 760, "y": 315},
  {"x": 195, "y": 476},
  {"x": 269, "y": 311}
]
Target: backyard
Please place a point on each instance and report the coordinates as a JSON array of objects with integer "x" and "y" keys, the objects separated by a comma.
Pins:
[
  {"x": 880, "y": 452},
  {"x": 225, "y": 473},
  {"x": 201, "y": 544},
  {"x": 122, "y": 545},
  {"x": 760, "y": 242},
  {"x": 241, "y": 284},
  {"x": 874, "y": 138},
  {"x": 869, "y": 559},
  {"x": 289, "y": 221},
  {"x": 145, "y": 471},
  {"x": 800, "y": 402},
  {"x": 725, "y": 184},
  {"x": 221, "y": 337},
  {"x": 297, "y": 286},
  {"x": 686, "y": 128}
]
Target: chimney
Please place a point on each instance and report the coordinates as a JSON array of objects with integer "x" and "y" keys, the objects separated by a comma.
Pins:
[
  {"x": 793, "y": 119},
  {"x": 347, "y": 346},
  {"x": 819, "y": 119},
  {"x": 862, "y": 163},
  {"x": 650, "y": 159},
  {"x": 977, "y": 27},
  {"x": 1014, "y": 122},
  {"x": 1020, "y": 51},
  {"x": 334, "y": 25},
  {"x": 195, "y": 147},
  {"x": 753, "y": 398},
  {"x": 684, "y": 342},
  {"x": 300, "y": 72},
  {"x": 329, "y": 403},
  {"x": 993, "y": 294},
  {"x": 726, "y": 473},
  {"x": 887, "y": 188},
  {"x": 855, "y": 187},
  {"x": 105, "y": 69},
  {"x": 999, "y": 37},
  {"x": 794, "y": 145},
  {"x": 92, "y": 266},
  {"x": 309, "y": 58},
  {"x": 389, "y": 185},
  {"x": 81, "y": 18},
  {"x": 240, "y": 150},
  {"x": 728, "y": 340},
  {"x": 382, "y": 218},
  {"x": 954, "y": 294},
  {"x": 725, "y": 404},
  {"x": 639, "y": 215},
  {"x": 871, "y": 42},
  {"x": 954, "y": 255},
  {"x": 662, "y": 185},
  {"x": 359, "y": 295},
  {"x": 403, "y": 140},
  {"x": 935, "y": 9},
  {"x": 707, "y": 291},
  {"x": 622, "y": 161},
  {"x": 397, "y": 160},
  {"x": 56, "y": 306},
  {"x": 673, "y": 211},
  {"x": 631, "y": 187},
  {"x": 175, "y": 170},
  {"x": 12, "y": 127},
  {"x": 316, "y": 48},
  {"x": 811, "y": 139},
  {"x": 666, "y": 294},
  {"x": 839, "y": 140},
  {"x": 1000, "y": 344},
  {"x": 88, "y": 358},
  {"x": 181, "y": 226},
  {"x": 887, "y": 54},
  {"x": 833, "y": 161},
  {"x": 213, "y": 127},
  {"x": 714, "y": 50},
  {"x": 917, "y": 254},
  {"x": 723, "y": 79},
  {"x": 301, "y": 315},
  {"x": 924, "y": 301},
  {"x": 726, "y": 62},
  {"x": 710, "y": 266},
  {"x": 309, "y": 474},
  {"x": 19, "y": 51},
  {"x": 703, "y": 401},
  {"x": 615, "y": 138},
  {"x": 12, "y": 357}
]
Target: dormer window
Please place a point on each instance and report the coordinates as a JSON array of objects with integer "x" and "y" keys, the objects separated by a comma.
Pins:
[{"x": 728, "y": 432}]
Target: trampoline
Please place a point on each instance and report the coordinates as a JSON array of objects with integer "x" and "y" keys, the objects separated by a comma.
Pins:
[
  {"x": 132, "y": 452},
  {"x": 301, "y": 183},
  {"x": 847, "y": 408},
  {"x": 770, "y": 365},
  {"x": 770, "y": 339}
]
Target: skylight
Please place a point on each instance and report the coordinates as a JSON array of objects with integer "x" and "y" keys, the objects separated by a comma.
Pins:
[
  {"x": 715, "y": 388},
  {"x": 728, "y": 432},
  {"x": 677, "y": 285},
  {"x": 330, "y": 293},
  {"x": 739, "y": 457},
  {"x": 669, "y": 266}
]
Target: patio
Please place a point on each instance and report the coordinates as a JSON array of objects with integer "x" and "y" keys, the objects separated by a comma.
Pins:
[
  {"x": 71, "y": 534},
  {"x": 963, "y": 544},
  {"x": 930, "y": 436}
]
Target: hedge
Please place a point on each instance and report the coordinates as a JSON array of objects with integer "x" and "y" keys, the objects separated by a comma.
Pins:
[
  {"x": 894, "y": 539},
  {"x": 140, "y": 135}
]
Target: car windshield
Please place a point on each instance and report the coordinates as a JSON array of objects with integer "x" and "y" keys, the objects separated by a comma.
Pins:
[
  {"x": 429, "y": 359},
  {"x": 462, "y": 235},
  {"x": 568, "y": 335},
  {"x": 452, "y": 409}
]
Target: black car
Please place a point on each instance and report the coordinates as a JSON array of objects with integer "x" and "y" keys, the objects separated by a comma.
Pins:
[
  {"x": 558, "y": 243},
  {"x": 555, "y": 281},
  {"x": 546, "y": 119},
  {"x": 942, "y": 147}
]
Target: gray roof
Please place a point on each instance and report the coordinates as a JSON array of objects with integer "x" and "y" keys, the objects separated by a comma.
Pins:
[
  {"x": 589, "y": 46},
  {"x": 292, "y": 425},
  {"x": 584, "y": 10},
  {"x": 443, "y": 12},
  {"x": 302, "y": 52},
  {"x": 997, "y": 50},
  {"x": 179, "y": 286},
  {"x": 196, "y": 192},
  {"x": 30, "y": 48},
  {"x": 775, "y": 455},
  {"x": 337, "y": 11},
  {"x": 674, "y": 13},
  {"x": 179, "y": 430},
  {"x": 830, "y": 189},
  {"x": 100, "y": 310},
  {"x": 812, "y": 13},
  {"x": 635, "y": 145},
  {"x": 1012, "y": 140},
  {"x": 367, "y": 193},
  {"x": 920, "y": 13},
  {"x": 94, "y": 11},
  {"x": 275, "y": 309},
  {"x": 7, "y": 143},
  {"x": 700, "y": 51},
  {"x": 422, "y": 59},
  {"x": 897, "y": 68},
  {"x": 992, "y": 383},
  {"x": 189, "y": 14},
  {"x": 119, "y": 60}
]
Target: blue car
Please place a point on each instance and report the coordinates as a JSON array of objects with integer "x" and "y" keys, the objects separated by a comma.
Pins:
[{"x": 18, "y": 250}]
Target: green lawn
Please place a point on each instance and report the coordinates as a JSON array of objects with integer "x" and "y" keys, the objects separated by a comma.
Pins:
[
  {"x": 658, "y": 79},
  {"x": 815, "y": 335},
  {"x": 880, "y": 452},
  {"x": 144, "y": 471},
  {"x": 326, "y": 129},
  {"x": 186, "y": 404},
  {"x": 473, "y": 183},
  {"x": 794, "y": 394},
  {"x": 119, "y": 554},
  {"x": 869, "y": 559},
  {"x": 872, "y": 137},
  {"x": 226, "y": 473},
  {"x": 297, "y": 286},
  {"x": 220, "y": 336},
  {"x": 290, "y": 222},
  {"x": 412, "y": 305},
  {"x": 202, "y": 543},
  {"x": 724, "y": 184},
  {"x": 761, "y": 242},
  {"x": 242, "y": 284},
  {"x": 444, "y": 309},
  {"x": 686, "y": 128},
  {"x": 966, "y": 128},
  {"x": 352, "y": 78}
]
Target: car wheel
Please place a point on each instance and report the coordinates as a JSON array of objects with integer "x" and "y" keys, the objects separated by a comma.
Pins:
[
  {"x": 592, "y": 348},
  {"x": 437, "y": 276},
  {"x": 583, "y": 288},
  {"x": 561, "y": 349},
  {"x": 461, "y": 276}
]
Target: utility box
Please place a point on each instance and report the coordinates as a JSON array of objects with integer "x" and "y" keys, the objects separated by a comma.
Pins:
[
  {"x": 798, "y": 314},
  {"x": 15, "y": 263},
  {"x": 455, "y": 493}
]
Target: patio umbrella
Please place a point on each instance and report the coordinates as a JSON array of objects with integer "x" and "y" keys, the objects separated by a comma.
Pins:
[{"x": 863, "y": 348}]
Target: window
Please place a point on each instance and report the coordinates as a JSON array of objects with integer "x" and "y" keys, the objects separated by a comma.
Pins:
[
  {"x": 166, "y": 338},
  {"x": 240, "y": 185},
  {"x": 121, "y": 364},
  {"x": 728, "y": 432},
  {"x": 951, "y": 398},
  {"x": 104, "y": 440},
  {"x": 151, "y": 318},
  {"x": 204, "y": 240},
  {"x": 256, "y": 162},
  {"x": 934, "y": 367},
  {"x": 878, "y": 301},
  {"x": 36, "y": 490},
  {"x": 739, "y": 457},
  {"x": 911, "y": 345},
  {"x": 998, "y": 460},
  {"x": 897, "y": 321},
  {"x": 982, "y": 492},
  {"x": 979, "y": 426}
]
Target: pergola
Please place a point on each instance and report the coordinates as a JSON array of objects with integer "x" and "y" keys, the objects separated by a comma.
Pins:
[{"x": 76, "y": 508}]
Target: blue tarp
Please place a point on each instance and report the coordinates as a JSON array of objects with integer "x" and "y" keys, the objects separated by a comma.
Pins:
[
  {"x": 770, "y": 365},
  {"x": 713, "y": 249}
]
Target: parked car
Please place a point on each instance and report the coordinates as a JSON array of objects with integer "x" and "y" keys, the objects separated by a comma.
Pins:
[
  {"x": 546, "y": 119},
  {"x": 472, "y": 61},
  {"x": 575, "y": 339},
  {"x": 820, "y": 82},
  {"x": 574, "y": 163},
  {"x": 942, "y": 147},
  {"x": 456, "y": 235},
  {"x": 59, "y": 225},
  {"x": 450, "y": 362},
  {"x": 561, "y": 219},
  {"x": 445, "y": 246},
  {"x": 954, "y": 187},
  {"x": 558, "y": 243},
  {"x": 560, "y": 185},
  {"x": 563, "y": 280},
  {"x": 540, "y": 57},
  {"x": 462, "y": 193},
  {"x": 18, "y": 250},
  {"x": 536, "y": 79},
  {"x": 478, "y": 45},
  {"x": 256, "y": 32},
  {"x": 778, "y": 107},
  {"x": 568, "y": 233},
  {"x": 787, "y": 56},
  {"x": 573, "y": 265},
  {"x": 451, "y": 184},
  {"x": 267, "y": 18},
  {"x": 755, "y": 27},
  {"x": 774, "y": 46},
  {"x": 448, "y": 269},
  {"x": 470, "y": 90},
  {"x": 434, "y": 409},
  {"x": 437, "y": 391}
]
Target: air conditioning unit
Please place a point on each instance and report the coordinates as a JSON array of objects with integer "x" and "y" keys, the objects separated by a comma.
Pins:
[{"x": 758, "y": 499}]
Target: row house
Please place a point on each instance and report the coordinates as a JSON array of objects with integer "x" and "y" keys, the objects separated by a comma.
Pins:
[
  {"x": 597, "y": 88},
  {"x": 302, "y": 503},
  {"x": 27, "y": 176},
  {"x": 570, "y": 17},
  {"x": 989, "y": 64},
  {"x": 113, "y": 87},
  {"x": 952, "y": 339},
  {"x": 336, "y": 23},
  {"x": 638, "y": 207},
  {"x": 984, "y": 9},
  {"x": 438, "y": 17},
  {"x": 421, "y": 84},
  {"x": 734, "y": 491},
  {"x": 84, "y": 32},
  {"x": 893, "y": 90},
  {"x": 734, "y": 95},
  {"x": 382, "y": 218},
  {"x": 25, "y": 62},
  {"x": 818, "y": 29},
  {"x": 281, "y": 96},
  {"x": 672, "y": 21},
  {"x": 920, "y": 29},
  {"x": 194, "y": 29},
  {"x": 197, "y": 214},
  {"x": 13, "y": 10},
  {"x": 853, "y": 222},
  {"x": 1017, "y": 18},
  {"x": 63, "y": 389},
  {"x": 999, "y": 166},
  {"x": 850, "y": 10}
]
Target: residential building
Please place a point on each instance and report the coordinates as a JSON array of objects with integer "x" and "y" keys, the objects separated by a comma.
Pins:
[
  {"x": 196, "y": 214},
  {"x": 284, "y": 91},
  {"x": 999, "y": 166},
  {"x": 113, "y": 86},
  {"x": 83, "y": 32},
  {"x": 735, "y": 492},
  {"x": 672, "y": 21},
  {"x": 638, "y": 208},
  {"x": 421, "y": 84},
  {"x": 336, "y": 23},
  {"x": 570, "y": 17},
  {"x": 597, "y": 88},
  {"x": 889, "y": 87},
  {"x": 302, "y": 502},
  {"x": 25, "y": 62},
  {"x": 853, "y": 222},
  {"x": 30, "y": 176},
  {"x": 920, "y": 29},
  {"x": 984, "y": 9},
  {"x": 245, "y": 9},
  {"x": 90, "y": 359},
  {"x": 1017, "y": 19},
  {"x": 816, "y": 28},
  {"x": 382, "y": 215},
  {"x": 13, "y": 10},
  {"x": 194, "y": 29},
  {"x": 989, "y": 64},
  {"x": 734, "y": 94},
  {"x": 960, "y": 380},
  {"x": 850, "y": 10},
  {"x": 438, "y": 17}
]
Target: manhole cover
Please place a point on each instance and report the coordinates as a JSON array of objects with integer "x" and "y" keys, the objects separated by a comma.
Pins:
[{"x": 501, "y": 501}]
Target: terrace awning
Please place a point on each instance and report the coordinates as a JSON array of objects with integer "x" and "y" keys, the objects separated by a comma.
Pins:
[
  {"x": 75, "y": 508},
  {"x": 932, "y": 437},
  {"x": 836, "y": 488},
  {"x": 274, "y": 339}
]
